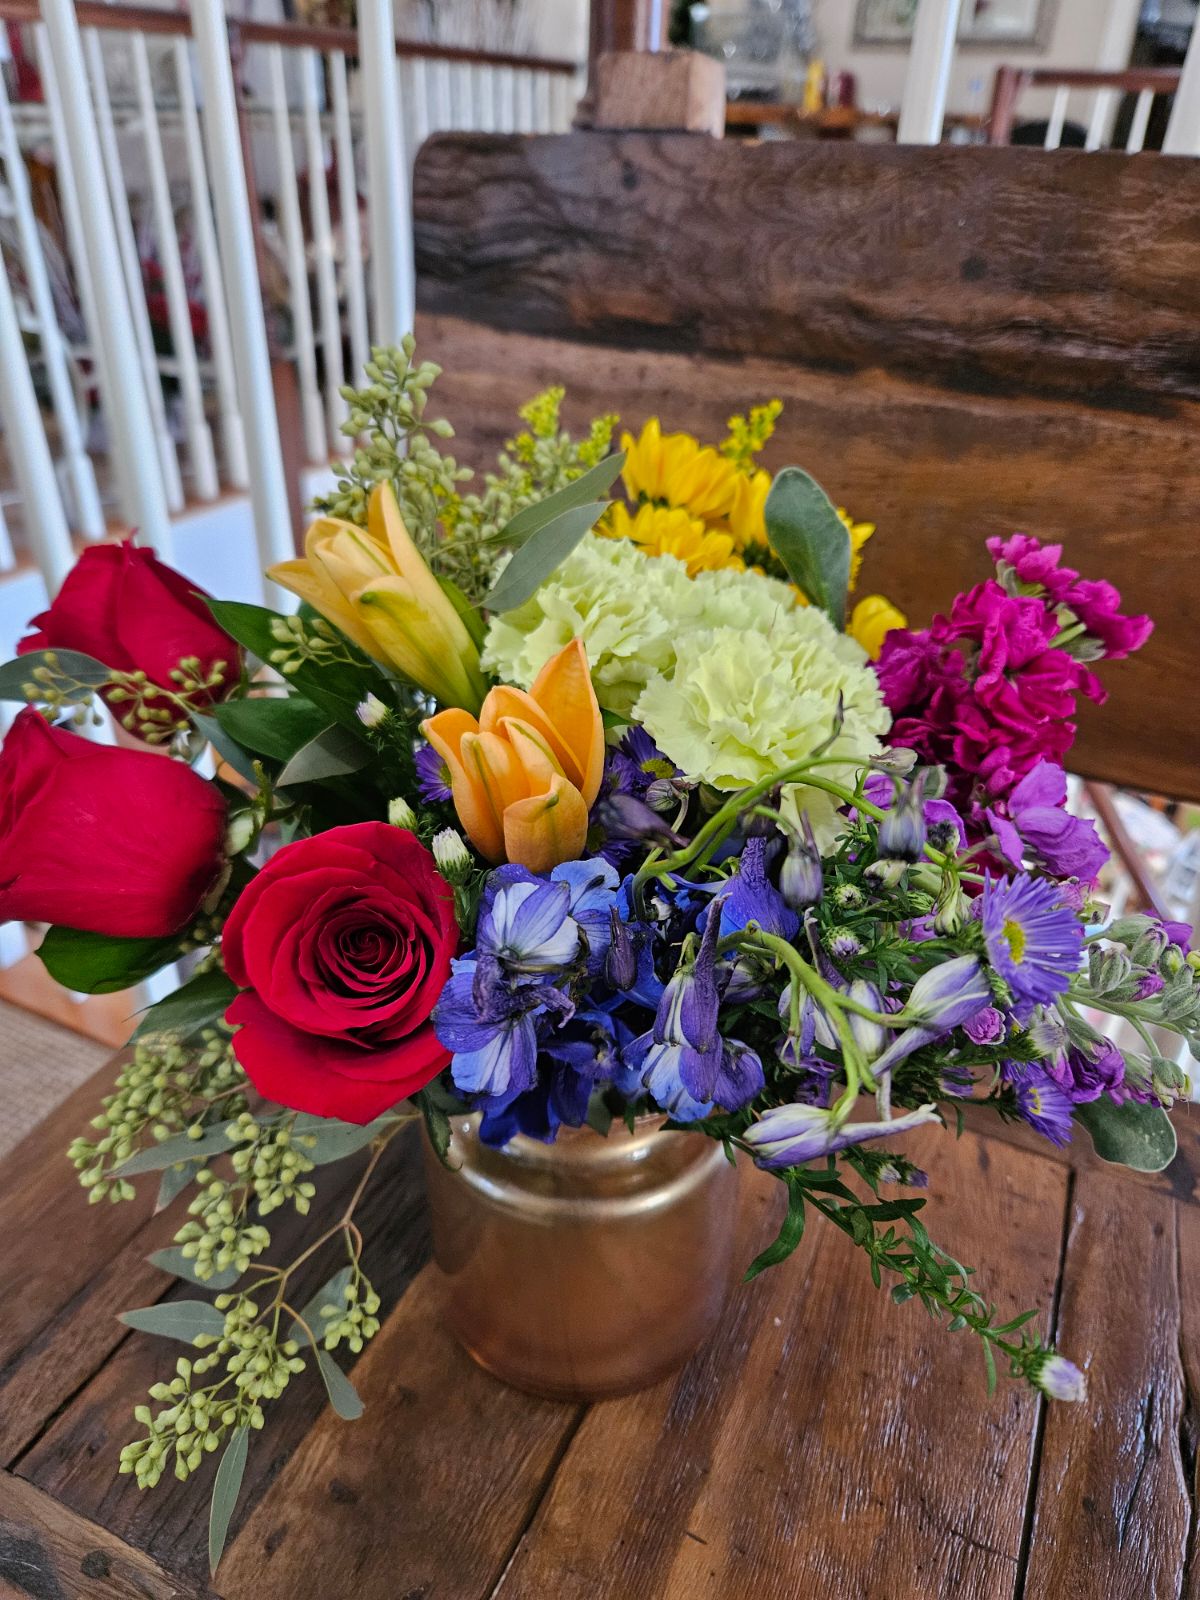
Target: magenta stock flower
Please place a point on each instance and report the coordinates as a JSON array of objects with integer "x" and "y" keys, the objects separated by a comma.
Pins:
[{"x": 1093, "y": 602}]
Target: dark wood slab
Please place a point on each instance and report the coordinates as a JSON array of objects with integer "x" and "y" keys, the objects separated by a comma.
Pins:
[{"x": 823, "y": 1442}]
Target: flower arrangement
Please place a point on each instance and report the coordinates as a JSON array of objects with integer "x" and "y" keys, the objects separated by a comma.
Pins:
[{"x": 563, "y": 811}]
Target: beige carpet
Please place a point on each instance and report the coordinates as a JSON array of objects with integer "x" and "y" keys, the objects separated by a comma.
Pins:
[{"x": 40, "y": 1064}]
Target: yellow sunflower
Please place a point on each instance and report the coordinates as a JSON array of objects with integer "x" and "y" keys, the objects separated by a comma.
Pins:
[
  {"x": 670, "y": 531},
  {"x": 673, "y": 469}
]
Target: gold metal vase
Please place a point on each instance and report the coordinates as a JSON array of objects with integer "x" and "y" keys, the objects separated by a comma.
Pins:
[{"x": 587, "y": 1267}]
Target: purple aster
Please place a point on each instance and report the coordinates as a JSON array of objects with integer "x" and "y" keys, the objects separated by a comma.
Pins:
[
  {"x": 433, "y": 776},
  {"x": 1032, "y": 940},
  {"x": 1040, "y": 1101},
  {"x": 1060, "y": 1379},
  {"x": 1034, "y": 822}
]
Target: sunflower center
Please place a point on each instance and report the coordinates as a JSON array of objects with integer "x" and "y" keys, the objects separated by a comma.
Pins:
[{"x": 1014, "y": 934}]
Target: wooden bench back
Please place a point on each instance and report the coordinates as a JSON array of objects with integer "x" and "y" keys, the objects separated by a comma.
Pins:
[{"x": 966, "y": 342}]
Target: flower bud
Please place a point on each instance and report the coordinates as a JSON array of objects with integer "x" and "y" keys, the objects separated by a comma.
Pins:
[
  {"x": 870, "y": 1036},
  {"x": 902, "y": 830},
  {"x": 1172, "y": 961},
  {"x": 452, "y": 856},
  {"x": 624, "y": 816},
  {"x": 947, "y": 995},
  {"x": 800, "y": 879},
  {"x": 842, "y": 944},
  {"x": 1149, "y": 946},
  {"x": 1059, "y": 1378},
  {"x": 371, "y": 712},
  {"x": 401, "y": 814},
  {"x": 620, "y": 964}
]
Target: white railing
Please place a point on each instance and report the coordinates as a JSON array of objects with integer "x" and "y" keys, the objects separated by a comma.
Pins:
[
  {"x": 1088, "y": 99},
  {"x": 235, "y": 159}
]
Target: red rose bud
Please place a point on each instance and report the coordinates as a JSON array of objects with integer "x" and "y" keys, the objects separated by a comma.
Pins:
[
  {"x": 124, "y": 607},
  {"x": 112, "y": 841},
  {"x": 342, "y": 944}
]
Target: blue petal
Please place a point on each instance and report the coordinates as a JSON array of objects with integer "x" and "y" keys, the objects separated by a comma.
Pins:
[
  {"x": 662, "y": 1076},
  {"x": 503, "y": 1062}
]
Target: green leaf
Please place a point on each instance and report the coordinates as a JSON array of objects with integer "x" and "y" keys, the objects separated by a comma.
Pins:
[
  {"x": 437, "y": 1124},
  {"x": 329, "y": 1294},
  {"x": 333, "y": 753},
  {"x": 1132, "y": 1135},
  {"x": 810, "y": 539},
  {"x": 343, "y": 1396},
  {"x": 96, "y": 963},
  {"x": 468, "y": 613},
  {"x": 227, "y": 1485},
  {"x": 213, "y": 1142},
  {"x": 227, "y": 748},
  {"x": 541, "y": 554},
  {"x": 178, "y": 1265},
  {"x": 790, "y": 1233},
  {"x": 175, "y": 1180},
  {"x": 201, "y": 1001},
  {"x": 989, "y": 1361},
  {"x": 334, "y": 1140},
  {"x": 596, "y": 481},
  {"x": 14, "y": 675},
  {"x": 270, "y": 726},
  {"x": 186, "y": 1320}
]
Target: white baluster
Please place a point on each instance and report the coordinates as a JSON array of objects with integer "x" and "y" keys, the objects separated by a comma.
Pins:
[
  {"x": 507, "y": 111},
  {"x": 183, "y": 338},
  {"x": 421, "y": 119},
  {"x": 526, "y": 110},
  {"x": 441, "y": 110},
  {"x": 131, "y": 267},
  {"x": 387, "y": 173},
  {"x": 930, "y": 58},
  {"x": 78, "y": 472},
  {"x": 564, "y": 101},
  {"x": 130, "y": 411},
  {"x": 352, "y": 256},
  {"x": 44, "y": 520},
  {"x": 485, "y": 99},
  {"x": 1058, "y": 116},
  {"x": 8, "y": 558},
  {"x": 292, "y": 232},
  {"x": 1116, "y": 42},
  {"x": 233, "y": 437},
  {"x": 323, "y": 251},
  {"x": 1138, "y": 122},
  {"x": 1182, "y": 137},
  {"x": 543, "y": 102},
  {"x": 243, "y": 293}
]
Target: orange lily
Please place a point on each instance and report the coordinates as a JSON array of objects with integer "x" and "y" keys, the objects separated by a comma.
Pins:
[{"x": 525, "y": 774}]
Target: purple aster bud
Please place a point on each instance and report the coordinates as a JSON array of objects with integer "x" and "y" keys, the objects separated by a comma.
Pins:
[
  {"x": 665, "y": 794},
  {"x": 842, "y": 944},
  {"x": 848, "y": 897},
  {"x": 371, "y": 712},
  {"x": 788, "y": 1136},
  {"x": 620, "y": 964},
  {"x": 800, "y": 879},
  {"x": 1059, "y": 1378},
  {"x": 902, "y": 831},
  {"x": 947, "y": 995},
  {"x": 624, "y": 816}
]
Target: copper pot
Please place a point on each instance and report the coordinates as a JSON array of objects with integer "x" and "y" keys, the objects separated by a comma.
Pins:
[{"x": 588, "y": 1267}]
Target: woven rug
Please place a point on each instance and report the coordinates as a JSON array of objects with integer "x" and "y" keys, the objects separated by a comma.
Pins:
[{"x": 40, "y": 1064}]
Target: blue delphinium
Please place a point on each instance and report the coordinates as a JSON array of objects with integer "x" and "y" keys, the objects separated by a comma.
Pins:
[{"x": 1033, "y": 940}]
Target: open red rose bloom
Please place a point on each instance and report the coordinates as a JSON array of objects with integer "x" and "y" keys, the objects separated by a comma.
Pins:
[{"x": 343, "y": 944}]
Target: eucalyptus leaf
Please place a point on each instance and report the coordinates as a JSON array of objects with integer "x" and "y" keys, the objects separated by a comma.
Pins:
[
  {"x": 275, "y": 726},
  {"x": 542, "y": 554},
  {"x": 329, "y": 1294},
  {"x": 174, "y": 1261},
  {"x": 1131, "y": 1135},
  {"x": 333, "y": 753},
  {"x": 810, "y": 539},
  {"x": 334, "y": 1141},
  {"x": 186, "y": 1320},
  {"x": 201, "y": 1001},
  {"x": 175, "y": 1180},
  {"x": 215, "y": 1141},
  {"x": 227, "y": 1486},
  {"x": 97, "y": 963},
  {"x": 226, "y": 747},
  {"x": 343, "y": 1396},
  {"x": 14, "y": 675},
  {"x": 596, "y": 481}
]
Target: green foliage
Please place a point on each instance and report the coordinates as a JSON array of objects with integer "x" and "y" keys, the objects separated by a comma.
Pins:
[
  {"x": 1133, "y": 1135},
  {"x": 316, "y": 660},
  {"x": 226, "y": 1489},
  {"x": 541, "y": 554},
  {"x": 53, "y": 678},
  {"x": 811, "y": 541},
  {"x": 98, "y": 963},
  {"x": 199, "y": 1003},
  {"x": 272, "y": 725}
]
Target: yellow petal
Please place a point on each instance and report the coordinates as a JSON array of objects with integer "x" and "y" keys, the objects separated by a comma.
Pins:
[
  {"x": 496, "y": 782},
  {"x": 546, "y": 829},
  {"x": 872, "y": 619},
  {"x": 417, "y": 643},
  {"x": 563, "y": 689},
  {"x": 313, "y": 585}
]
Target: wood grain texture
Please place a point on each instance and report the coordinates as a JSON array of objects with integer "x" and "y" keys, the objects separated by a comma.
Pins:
[
  {"x": 47, "y": 1553},
  {"x": 982, "y": 270},
  {"x": 938, "y": 473},
  {"x": 772, "y": 1465},
  {"x": 1113, "y": 1511}
]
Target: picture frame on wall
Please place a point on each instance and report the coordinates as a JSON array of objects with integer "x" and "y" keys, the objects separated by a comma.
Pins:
[{"x": 984, "y": 24}]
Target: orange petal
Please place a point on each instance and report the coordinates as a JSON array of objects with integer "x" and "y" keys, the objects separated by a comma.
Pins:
[
  {"x": 563, "y": 689},
  {"x": 504, "y": 703},
  {"x": 493, "y": 779},
  {"x": 534, "y": 752},
  {"x": 445, "y": 733},
  {"x": 545, "y": 829}
]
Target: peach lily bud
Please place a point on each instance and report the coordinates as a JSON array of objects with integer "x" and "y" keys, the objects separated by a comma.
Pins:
[
  {"x": 525, "y": 775},
  {"x": 376, "y": 587}
]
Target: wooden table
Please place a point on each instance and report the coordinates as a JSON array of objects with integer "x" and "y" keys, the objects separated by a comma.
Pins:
[{"x": 824, "y": 1443}]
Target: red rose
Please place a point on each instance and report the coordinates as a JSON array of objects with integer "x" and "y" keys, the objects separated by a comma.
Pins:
[
  {"x": 343, "y": 945},
  {"x": 113, "y": 841},
  {"x": 128, "y": 610}
]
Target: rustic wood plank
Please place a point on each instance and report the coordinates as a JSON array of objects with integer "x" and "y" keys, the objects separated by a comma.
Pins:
[
  {"x": 937, "y": 472},
  {"x": 430, "y": 1493},
  {"x": 75, "y": 1461},
  {"x": 980, "y": 269},
  {"x": 1112, "y": 1511},
  {"x": 1187, "y": 1223},
  {"x": 48, "y": 1553},
  {"x": 54, "y": 1242},
  {"x": 824, "y": 1442}
]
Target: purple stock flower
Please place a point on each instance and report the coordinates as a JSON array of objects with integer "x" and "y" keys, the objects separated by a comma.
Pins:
[
  {"x": 1032, "y": 940},
  {"x": 985, "y": 1027},
  {"x": 1094, "y": 603},
  {"x": 1178, "y": 934},
  {"x": 1041, "y": 1102},
  {"x": 1034, "y": 822},
  {"x": 1085, "y": 1074},
  {"x": 788, "y": 1136},
  {"x": 433, "y": 777}
]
